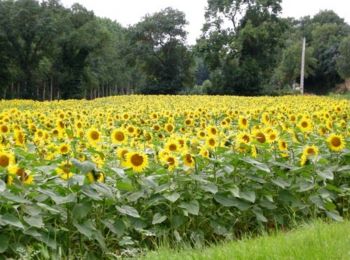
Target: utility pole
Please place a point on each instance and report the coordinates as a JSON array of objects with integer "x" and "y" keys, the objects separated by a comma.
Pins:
[{"x": 302, "y": 67}]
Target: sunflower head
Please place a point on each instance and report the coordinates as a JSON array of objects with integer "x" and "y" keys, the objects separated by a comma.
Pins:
[
  {"x": 118, "y": 136},
  {"x": 137, "y": 161},
  {"x": 336, "y": 142}
]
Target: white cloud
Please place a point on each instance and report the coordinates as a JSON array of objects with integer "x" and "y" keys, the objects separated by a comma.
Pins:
[{"x": 129, "y": 12}]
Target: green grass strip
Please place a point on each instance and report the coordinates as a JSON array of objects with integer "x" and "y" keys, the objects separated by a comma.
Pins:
[{"x": 313, "y": 241}]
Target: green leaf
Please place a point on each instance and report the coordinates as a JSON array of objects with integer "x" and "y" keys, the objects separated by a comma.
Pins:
[
  {"x": 103, "y": 189},
  {"x": 9, "y": 219},
  {"x": 48, "y": 208},
  {"x": 210, "y": 187},
  {"x": 125, "y": 186},
  {"x": 92, "y": 194},
  {"x": 87, "y": 228},
  {"x": 117, "y": 227},
  {"x": 248, "y": 196},
  {"x": 229, "y": 201},
  {"x": 305, "y": 186},
  {"x": 64, "y": 200},
  {"x": 14, "y": 198},
  {"x": 218, "y": 228},
  {"x": 334, "y": 215},
  {"x": 127, "y": 210},
  {"x": 260, "y": 166},
  {"x": 4, "y": 243},
  {"x": 36, "y": 221},
  {"x": 281, "y": 183},
  {"x": 158, "y": 218},
  {"x": 81, "y": 210},
  {"x": 135, "y": 196},
  {"x": 326, "y": 174},
  {"x": 2, "y": 187},
  {"x": 224, "y": 200},
  {"x": 84, "y": 167},
  {"x": 192, "y": 207},
  {"x": 172, "y": 197}
]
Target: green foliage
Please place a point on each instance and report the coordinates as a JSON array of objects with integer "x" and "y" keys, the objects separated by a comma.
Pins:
[
  {"x": 228, "y": 196},
  {"x": 343, "y": 61},
  {"x": 159, "y": 47}
]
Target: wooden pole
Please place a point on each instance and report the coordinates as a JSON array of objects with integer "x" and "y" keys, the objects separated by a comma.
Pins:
[{"x": 302, "y": 74}]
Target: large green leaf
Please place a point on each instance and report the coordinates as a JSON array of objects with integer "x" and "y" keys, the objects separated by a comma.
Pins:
[
  {"x": 4, "y": 243},
  {"x": 248, "y": 196},
  {"x": 158, "y": 218},
  {"x": 36, "y": 221},
  {"x": 191, "y": 207},
  {"x": 259, "y": 165},
  {"x": 210, "y": 187},
  {"x": 11, "y": 220},
  {"x": 2, "y": 186},
  {"x": 172, "y": 197},
  {"x": 127, "y": 210}
]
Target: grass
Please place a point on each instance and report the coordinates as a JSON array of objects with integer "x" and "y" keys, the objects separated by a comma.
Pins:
[{"x": 318, "y": 240}]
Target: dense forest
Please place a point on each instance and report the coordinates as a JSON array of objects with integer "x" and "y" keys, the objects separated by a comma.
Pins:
[{"x": 48, "y": 51}]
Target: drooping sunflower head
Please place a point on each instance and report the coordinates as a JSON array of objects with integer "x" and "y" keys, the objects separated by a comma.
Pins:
[{"x": 188, "y": 160}]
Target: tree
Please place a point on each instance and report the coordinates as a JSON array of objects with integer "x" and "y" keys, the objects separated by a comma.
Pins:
[
  {"x": 159, "y": 44},
  {"x": 241, "y": 57},
  {"x": 343, "y": 60}
]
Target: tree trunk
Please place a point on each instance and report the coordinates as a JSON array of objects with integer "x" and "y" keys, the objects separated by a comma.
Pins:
[{"x": 51, "y": 88}]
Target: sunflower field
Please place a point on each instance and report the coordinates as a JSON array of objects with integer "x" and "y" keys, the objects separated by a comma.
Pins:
[{"x": 114, "y": 176}]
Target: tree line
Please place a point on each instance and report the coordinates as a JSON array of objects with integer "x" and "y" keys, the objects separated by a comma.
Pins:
[{"x": 48, "y": 51}]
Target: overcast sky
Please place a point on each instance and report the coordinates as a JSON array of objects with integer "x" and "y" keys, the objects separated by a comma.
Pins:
[{"x": 129, "y": 12}]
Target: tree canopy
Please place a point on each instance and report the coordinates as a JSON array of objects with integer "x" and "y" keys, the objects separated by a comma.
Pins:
[{"x": 48, "y": 51}]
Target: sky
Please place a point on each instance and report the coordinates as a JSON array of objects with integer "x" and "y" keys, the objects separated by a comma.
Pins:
[{"x": 128, "y": 12}]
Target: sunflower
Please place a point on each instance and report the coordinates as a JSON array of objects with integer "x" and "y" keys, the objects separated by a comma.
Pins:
[
  {"x": 188, "y": 160},
  {"x": 138, "y": 161},
  {"x": 211, "y": 142},
  {"x": 6, "y": 159},
  {"x": 212, "y": 130},
  {"x": 260, "y": 136},
  {"x": 172, "y": 146},
  {"x": 305, "y": 125},
  {"x": 64, "y": 170},
  {"x": 336, "y": 142},
  {"x": 243, "y": 137},
  {"x": 308, "y": 152},
  {"x": 282, "y": 145},
  {"x": 19, "y": 138},
  {"x": 64, "y": 149},
  {"x": 24, "y": 176},
  {"x": 93, "y": 136},
  {"x": 243, "y": 122},
  {"x": 118, "y": 136},
  {"x": 4, "y": 129},
  {"x": 94, "y": 176},
  {"x": 171, "y": 162},
  {"x": 204, "y": 152},
  {"x": 169, "y": 128}
]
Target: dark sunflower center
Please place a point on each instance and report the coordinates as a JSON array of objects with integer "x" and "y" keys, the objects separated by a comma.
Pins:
[
  {"x": 336, "y": 141},
  {"x": 94, "y": 135},
  {"x": 4, "y": 160},
  {"x": 119, "y": 136},
  {"x": 136, "y": 160}
]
